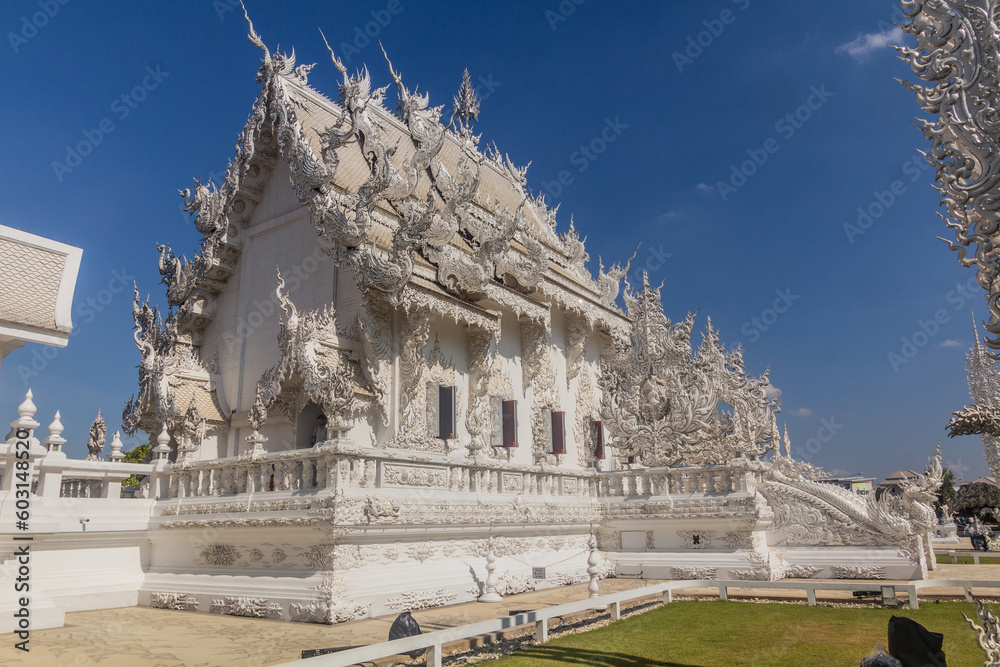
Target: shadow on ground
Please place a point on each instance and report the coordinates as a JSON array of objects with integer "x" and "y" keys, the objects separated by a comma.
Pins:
[{"x": 578, "y": 656}]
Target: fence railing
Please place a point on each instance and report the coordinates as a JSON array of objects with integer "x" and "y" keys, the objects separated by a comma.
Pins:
[
  {"x": 434, "y": 642},
  {"x": 341, "y": 466},
  {"x": 23, "y": 456}
]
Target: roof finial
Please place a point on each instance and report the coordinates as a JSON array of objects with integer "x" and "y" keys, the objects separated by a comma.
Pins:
[
  {"x": 336, "y": 63},
  {"x": 253, "y": 36},
  {"x": 466, "y": 108}
]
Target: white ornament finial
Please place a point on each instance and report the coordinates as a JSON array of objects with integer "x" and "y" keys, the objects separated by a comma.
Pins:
[
  {"x": 55, "y": 441},
  {"x": 116, "y": 448},
  {"x": 27, "y": 409},
  {"x": 56, "y": 427},
  {"x": 162, "y": 449}
]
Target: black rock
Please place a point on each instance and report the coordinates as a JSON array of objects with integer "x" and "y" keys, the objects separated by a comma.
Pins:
[
  {"x": 405, "y": 626},
  {"x": 914, "y": 645}
]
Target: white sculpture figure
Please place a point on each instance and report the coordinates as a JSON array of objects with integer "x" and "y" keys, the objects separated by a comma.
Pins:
[{"x": 98, "y": 434}]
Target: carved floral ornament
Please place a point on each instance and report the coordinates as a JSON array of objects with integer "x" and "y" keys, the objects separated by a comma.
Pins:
[
  {"x": 956, "y": 54},
  {"x": 663, "y": 403}
]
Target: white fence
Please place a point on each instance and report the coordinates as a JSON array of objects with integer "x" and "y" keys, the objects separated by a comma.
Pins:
[{"x": 434, "y": 641}]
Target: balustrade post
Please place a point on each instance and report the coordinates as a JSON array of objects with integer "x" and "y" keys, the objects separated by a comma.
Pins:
[
  {"x": 22, "y": 432},
  {"x": 50, "y": 476}
]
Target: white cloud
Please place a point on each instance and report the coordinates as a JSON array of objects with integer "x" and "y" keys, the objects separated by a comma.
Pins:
[
  {"x": 705, "y": 187},
  {"x": 802, "y": 412},
  {"x": 863, "y": 47},
  {"x": 951, "y": 342},
  {"x": 771, "y": 391}
]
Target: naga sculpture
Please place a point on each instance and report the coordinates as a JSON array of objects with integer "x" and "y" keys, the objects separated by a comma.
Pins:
[
  {"x": 97, "y": 438},
  {"x": 811, "y": 512},
  {"x": 311, "y": 368}
]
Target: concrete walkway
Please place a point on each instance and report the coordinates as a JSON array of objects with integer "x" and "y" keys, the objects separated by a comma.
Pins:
[{"x": 143, "y": 636}]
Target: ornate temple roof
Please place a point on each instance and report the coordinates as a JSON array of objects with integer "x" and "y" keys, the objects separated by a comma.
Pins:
[{"x": 37, "y": 281}]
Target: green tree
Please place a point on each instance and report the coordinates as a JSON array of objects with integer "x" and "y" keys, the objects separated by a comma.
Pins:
[
  {"x": 140, "y": 454},
  {"x": 946, "y": 494}
]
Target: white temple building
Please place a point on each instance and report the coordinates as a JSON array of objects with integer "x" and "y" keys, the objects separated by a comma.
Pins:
[{"x": 490, "y": 406}]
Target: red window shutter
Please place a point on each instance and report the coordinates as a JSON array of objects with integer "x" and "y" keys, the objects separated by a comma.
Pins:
[
  {"x": 558, "y": 432},
  {"x": 598, "y": 440},
  {"x": 509, "y": 423}
]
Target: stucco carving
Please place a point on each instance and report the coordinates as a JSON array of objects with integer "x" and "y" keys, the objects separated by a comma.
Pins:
[
  {"x": 414, "y": 600},
  {"x": 246, "y": 606},
  {"x": 694, "y": 572},
  {"x": 178, "y": 601},
  {"x": 662, "y": 404},
  {"x": 312, "y": 368},
  {"x": 858, "y": 572},
  {"x": 696, "y": 539}
]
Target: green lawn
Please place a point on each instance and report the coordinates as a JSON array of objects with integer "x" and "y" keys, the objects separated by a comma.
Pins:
[
  {"x": 724, "y": 634},
  {"x": 967, "y": 560}
]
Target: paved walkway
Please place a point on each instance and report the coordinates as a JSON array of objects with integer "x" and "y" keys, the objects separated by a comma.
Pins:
[{"x": 143, "y": 636}]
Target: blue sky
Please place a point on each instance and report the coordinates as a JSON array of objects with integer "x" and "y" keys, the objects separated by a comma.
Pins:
[{"x": 642, "y": 110}]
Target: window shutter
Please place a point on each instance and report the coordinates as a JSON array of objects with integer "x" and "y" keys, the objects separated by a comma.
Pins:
[
  {"x": 598, "y": 428},
  {"x": 433, "y": 430},
  {"x": 496, "y": 421},
  {"x": 510, "y": 423},
  {"x": 446, "y": 412},
  {"x": 546, "y": 416},
  {"x": 558, "y": 432}
]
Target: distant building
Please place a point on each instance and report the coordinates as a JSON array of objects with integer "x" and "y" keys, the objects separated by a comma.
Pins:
[
  {"x": 893, "y": 484},
  {"x": 37, "y": 280},
  {"x": 855, "y": 483}
]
